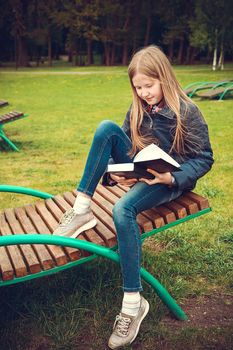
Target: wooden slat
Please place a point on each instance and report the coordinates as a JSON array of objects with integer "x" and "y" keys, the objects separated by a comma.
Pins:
[
  {"x": 26, "y": 249},
  {"x": 41, "y": 250},
  {"x": 3, "y": 103},
  {"x": 190, "y": 206},
  {"x": 8, "y": 117},
  {"x": 178, "y": 209},
  {"x": 116, "y": 190},
  {"x": 166, "y": 213},
  {"x": 202, "y": 202},
  {"x": 155, "y": 217},
  {"x": 56, "y": 252},
  {"x": 61, "y": 203},
  {"x": 15, "y": 256},
  {"x": 7, "y": 270}
]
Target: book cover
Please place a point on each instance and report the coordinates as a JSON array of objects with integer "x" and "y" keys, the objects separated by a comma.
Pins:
[{"x": 152, "y": 157}]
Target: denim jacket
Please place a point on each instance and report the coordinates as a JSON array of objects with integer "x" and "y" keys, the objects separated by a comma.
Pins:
[{"x": 162, "y": 125}]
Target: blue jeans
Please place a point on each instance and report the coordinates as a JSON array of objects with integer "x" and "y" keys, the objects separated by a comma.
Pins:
[{"x": 111, "y": 141}]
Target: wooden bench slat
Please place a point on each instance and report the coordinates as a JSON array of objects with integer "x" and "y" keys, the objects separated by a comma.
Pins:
[
  {"x": 7, "y": 270},
  {"x": 166, "y": 213},
  {"x": 27, "y": 251},
  {"x": 17, "y": 262},
  {"x": 41, "y": 250},
  {"x": 178, "y": 209},
  {"x": 202, "y": 202},
  {"x": 190, "y": 206},
  {"x": 116, "y": 190},
  {"x": 7, "y": 117},
  {"x": 3, "y": 103},
  {"x": 61, "y": 203},
  {"x": 56, "y": 251},
  {"x": 155, "y": 217}
]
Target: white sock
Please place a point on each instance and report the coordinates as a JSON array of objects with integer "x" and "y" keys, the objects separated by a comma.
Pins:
[
  {"x": 82, "y": 204},
  {"x": 131, "y": 303}
]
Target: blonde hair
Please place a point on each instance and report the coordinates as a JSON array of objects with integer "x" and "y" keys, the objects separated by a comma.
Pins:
[{"x": 152, "y": 62}]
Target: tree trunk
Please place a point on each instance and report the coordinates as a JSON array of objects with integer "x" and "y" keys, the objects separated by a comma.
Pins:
[
  {"x": 180, "y": 52},
  {"x": 125, "y": 53},
  {"x": 215, "y": 52},
  {"x": 113, "y": 55},
  {"x": 89, "y": 52},
  {"x": 22, "y": 55},
  {"x": 148, "y": 28},
  {"x": 107, "y": 54},
  {"x": 214, "y": 59},
  {"x": 171, "y": 51},
  {"x": 49, "y": 49},
  {"x": 221, "y": 58}
]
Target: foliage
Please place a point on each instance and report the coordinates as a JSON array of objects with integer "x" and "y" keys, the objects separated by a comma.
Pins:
[{"x": 113, "y": 29}]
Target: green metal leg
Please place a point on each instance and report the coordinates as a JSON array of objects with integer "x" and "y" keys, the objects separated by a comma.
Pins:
[
  {"x": 11, "y": 144},
  {"x": 101, "y": 251}
]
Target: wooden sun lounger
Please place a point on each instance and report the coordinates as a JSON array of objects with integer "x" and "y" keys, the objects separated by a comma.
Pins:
[
  {"x": 7, "y": 118},
  {"x": 3, "y": 103},
  {"x": 193, "y": 88},
  {"x": 220, "y": 92},
  {"x": 28, "y": 250}
]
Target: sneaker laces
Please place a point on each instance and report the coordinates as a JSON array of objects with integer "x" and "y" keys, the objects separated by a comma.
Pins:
[
  {"x": 67, "y": 217},
  {"x": 122, "y": 325}
]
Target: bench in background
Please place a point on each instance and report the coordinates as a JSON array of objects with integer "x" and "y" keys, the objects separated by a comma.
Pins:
[{"x": 7, "y": 118}]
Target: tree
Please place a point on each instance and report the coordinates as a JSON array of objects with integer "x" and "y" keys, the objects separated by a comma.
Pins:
[
  {"x": 212, "y": 28},
  {"x": 19, "y": 31}
]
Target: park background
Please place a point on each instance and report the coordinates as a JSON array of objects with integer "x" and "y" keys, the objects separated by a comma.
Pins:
[{"x": 65, "y": 64}]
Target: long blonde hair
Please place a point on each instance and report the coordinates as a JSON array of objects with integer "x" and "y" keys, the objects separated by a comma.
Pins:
[{"x": 152, "y": 62}]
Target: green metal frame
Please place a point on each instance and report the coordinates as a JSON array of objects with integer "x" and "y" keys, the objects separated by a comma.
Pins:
[
  {"x": 225, "y": 92},
  {"x": 97, "y": 250},
  {"x": 5, "y": 138},
  {"x": 202, "y": 86}
]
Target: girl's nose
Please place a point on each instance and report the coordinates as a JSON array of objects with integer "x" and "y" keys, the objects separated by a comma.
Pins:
[{"x": 144, "y": 93}]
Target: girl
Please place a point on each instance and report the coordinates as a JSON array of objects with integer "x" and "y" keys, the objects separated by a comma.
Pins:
[{"x": 160, "y": 113}]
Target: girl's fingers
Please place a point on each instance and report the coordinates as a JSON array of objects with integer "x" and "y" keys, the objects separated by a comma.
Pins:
[
  {"x": 153, "y": 172},
  {"x": 149, "y": 182}
]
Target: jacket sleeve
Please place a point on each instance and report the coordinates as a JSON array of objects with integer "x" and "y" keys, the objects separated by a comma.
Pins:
[
  {"x": 195, "y": 166},
  {"x": 126, "y": 124}
]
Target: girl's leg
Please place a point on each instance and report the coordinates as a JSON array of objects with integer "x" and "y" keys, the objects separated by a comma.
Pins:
[
  {"x": 109, "y": 141},
  {"x": 139, "y": 198}
]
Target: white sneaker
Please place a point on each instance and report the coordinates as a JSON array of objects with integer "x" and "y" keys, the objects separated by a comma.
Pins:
[
  {"x": 126, "y": 327},
  {"x": 72, "y": 224}
]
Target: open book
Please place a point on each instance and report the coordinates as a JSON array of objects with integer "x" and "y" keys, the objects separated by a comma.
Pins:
[{"x": 152, "y": 157}]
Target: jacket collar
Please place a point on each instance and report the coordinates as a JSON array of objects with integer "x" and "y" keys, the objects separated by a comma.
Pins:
[
  {"x": 165, "y": 111},
  {"x": 161, "y": 109}
]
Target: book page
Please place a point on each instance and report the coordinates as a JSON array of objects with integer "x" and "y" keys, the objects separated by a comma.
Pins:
[{"x": 154, "y": 152}]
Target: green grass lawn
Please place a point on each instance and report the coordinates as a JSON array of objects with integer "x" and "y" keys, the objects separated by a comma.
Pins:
[{"x": 65, "y": 106}]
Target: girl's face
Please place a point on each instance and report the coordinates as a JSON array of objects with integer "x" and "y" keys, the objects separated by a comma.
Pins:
[{"x": 147, "y": 88}]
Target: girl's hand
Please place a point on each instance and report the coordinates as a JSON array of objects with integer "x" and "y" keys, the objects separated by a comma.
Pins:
[
  {"x": 164, "y": 178},
  {"x": 123, "y": 181}
]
